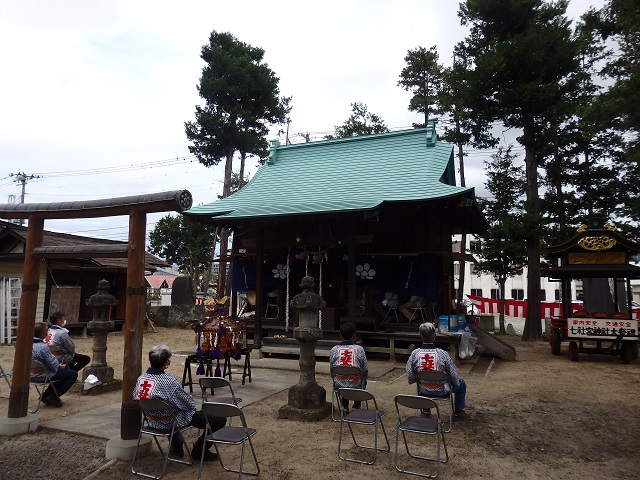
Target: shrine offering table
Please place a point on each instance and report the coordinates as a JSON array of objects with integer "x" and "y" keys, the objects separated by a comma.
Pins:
[{"x": 208, "y": 364}]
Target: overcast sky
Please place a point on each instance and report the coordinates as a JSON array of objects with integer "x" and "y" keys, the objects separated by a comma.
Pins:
[{"x": 94, "y": 94}]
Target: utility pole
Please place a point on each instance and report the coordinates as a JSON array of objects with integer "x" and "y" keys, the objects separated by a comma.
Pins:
[{"x": 23, "y": 178}]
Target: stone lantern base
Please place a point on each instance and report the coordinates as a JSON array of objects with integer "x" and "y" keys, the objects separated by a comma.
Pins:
[
  {"x": 111, "y": 386},
  {"x": 290, "y": 412}
]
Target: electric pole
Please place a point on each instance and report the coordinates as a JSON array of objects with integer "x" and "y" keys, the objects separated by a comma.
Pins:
[{"x": 23, "y": 178}]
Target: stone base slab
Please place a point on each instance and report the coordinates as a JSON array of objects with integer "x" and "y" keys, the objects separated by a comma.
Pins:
[
  {"x": 125, "y": 449},
  {"x": 290, "y": 412},
  {"x": 18, "y": 426}
]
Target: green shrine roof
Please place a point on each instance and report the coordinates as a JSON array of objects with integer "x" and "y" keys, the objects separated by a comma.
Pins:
[{"x": 342, "y": 175}]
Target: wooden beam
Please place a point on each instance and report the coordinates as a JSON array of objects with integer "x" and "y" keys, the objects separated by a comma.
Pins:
[
  {"x": 177, "y": 200},
  {"x": 19, "y": 396},
  {"x": 76, "y": 251},
  {"x": 135, "y": 313}
]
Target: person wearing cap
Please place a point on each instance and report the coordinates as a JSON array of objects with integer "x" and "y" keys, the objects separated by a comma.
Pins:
[
  {"x": 429, "y": 357},
  {"x": 58, "y": 336}
]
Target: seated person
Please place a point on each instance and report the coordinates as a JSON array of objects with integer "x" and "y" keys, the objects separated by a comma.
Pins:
[
  {"x": 58, "y": 336},
  {"x": 390, "y": 301},
  {"x": 155, "y": 383},
  {"x": 414, "y": 302},
  {"x": 64, "y": 377},
  {"x": 429, "y": 357},
  {"x": 349, "y": 354}
]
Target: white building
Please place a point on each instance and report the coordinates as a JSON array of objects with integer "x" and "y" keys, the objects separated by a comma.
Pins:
[{"x": 485, "y": 285}]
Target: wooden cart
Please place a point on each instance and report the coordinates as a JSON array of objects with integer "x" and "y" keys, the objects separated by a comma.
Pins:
[{"x": 596, "y": 251}]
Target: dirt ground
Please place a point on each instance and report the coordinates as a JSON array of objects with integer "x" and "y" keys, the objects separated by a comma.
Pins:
[{"x": 538, "y": 417}]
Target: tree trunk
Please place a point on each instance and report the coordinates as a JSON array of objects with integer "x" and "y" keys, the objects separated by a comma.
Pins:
[
  {"x": 501, "y": 281},
  {"x": 243, "y": 156},
  {"x": 463, "y": 241},
  {"x": 557, "y": 182},
  {"x": 224, "y": 237},
  {"x": 532, "y": 325},
  {"x": 209, "y": 274}
]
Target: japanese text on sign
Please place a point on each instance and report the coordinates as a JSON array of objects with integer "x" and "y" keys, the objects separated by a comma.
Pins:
[{"x": 602, "y": 328}]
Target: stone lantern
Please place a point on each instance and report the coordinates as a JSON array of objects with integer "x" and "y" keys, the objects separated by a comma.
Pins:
[
  {"x": 307, "y": 399},
  {"x": 100, "y": 326}
]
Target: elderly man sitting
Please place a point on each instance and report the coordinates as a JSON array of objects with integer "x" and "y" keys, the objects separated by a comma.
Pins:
[
  {"x": 429, "y": 357},
  {"x": 155, "y": 383}
]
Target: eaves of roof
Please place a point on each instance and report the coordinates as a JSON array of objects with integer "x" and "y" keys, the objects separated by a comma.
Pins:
[
  {"x": 344, "y": 175},
  {"x": 56, "y": 239}
]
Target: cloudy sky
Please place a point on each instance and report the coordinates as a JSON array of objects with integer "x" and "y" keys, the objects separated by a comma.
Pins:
[{"x": 94, "y": 94}]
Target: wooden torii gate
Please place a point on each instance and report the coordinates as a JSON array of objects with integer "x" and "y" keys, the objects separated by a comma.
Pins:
[{"x": 137, "y": 207}]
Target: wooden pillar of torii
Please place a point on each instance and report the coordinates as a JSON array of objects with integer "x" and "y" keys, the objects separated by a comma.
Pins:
[{"x": 136, "y": 207}]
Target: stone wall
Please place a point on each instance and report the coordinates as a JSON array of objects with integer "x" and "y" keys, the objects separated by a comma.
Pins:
[{"x": 178, "y": 316}]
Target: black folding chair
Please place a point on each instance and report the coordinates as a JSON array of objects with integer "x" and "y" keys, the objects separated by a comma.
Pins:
[
  {"x": 337, "y": 371},
  {"x": 5, "y": 374},
  {"x": 410, "y": 423},
  {"x": 153, "y": 409},
  {"x": 361, "y": 416},
  {"x": 229, "y": 435},
  {"x": 36, "y": 369},
  {"x": 438, "y": 378},
  {"x": 211, "y": 383}
]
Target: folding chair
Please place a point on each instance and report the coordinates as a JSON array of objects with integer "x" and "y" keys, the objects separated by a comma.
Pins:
[
  {"x": 272, "y": 305},
  {"x": 229, "y": 435},
  {"x": 248, "y": 300},
  {"x": 390, "y": 310},
  {"x": 212, "y": 383},
  {"x": 419, "y": 425},
  {"x": 37, "y": 368},
  {"x": 154, "y": 409},
  {"x": 438, "y": 378},
  {"x": 418, "y": 310},
  {"x": 5, "y": 374},
  {"x": 336, "y": 371},
  {"x": 361, "y": 416}
]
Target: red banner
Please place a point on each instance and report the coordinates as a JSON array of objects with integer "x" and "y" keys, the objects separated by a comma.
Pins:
[{"x": 518, "y": 308}]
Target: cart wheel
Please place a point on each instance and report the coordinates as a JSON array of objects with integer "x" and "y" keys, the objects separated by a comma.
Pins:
[
  {"x": 626, "y": 352},
  {"x": 573, "y": 351},
  {"x": 555, "y": 342}
]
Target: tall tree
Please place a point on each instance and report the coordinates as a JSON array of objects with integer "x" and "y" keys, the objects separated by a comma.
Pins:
[
  {"x": 579, "y": 150},
  {"x": 619, "y": 22},
  {"x": 502, "y": 249},
  {"x": 187, "y": 244},
  {"x": 242, "y": 99},
  {"x": 523, "y": 53},
  {"x": 452, "y": 102},
  {"x": 360, "y": 122},
  {"x": 422, "y": 76}
]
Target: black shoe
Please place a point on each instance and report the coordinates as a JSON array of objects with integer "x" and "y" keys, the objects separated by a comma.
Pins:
[
  {"x": 426, "y": 413},
  {"x": 176, "y": 452},
  {"x": 52, "y": 401},
  {"x": 208, "y": 456},
  {"x": 461, "y": 415}
]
